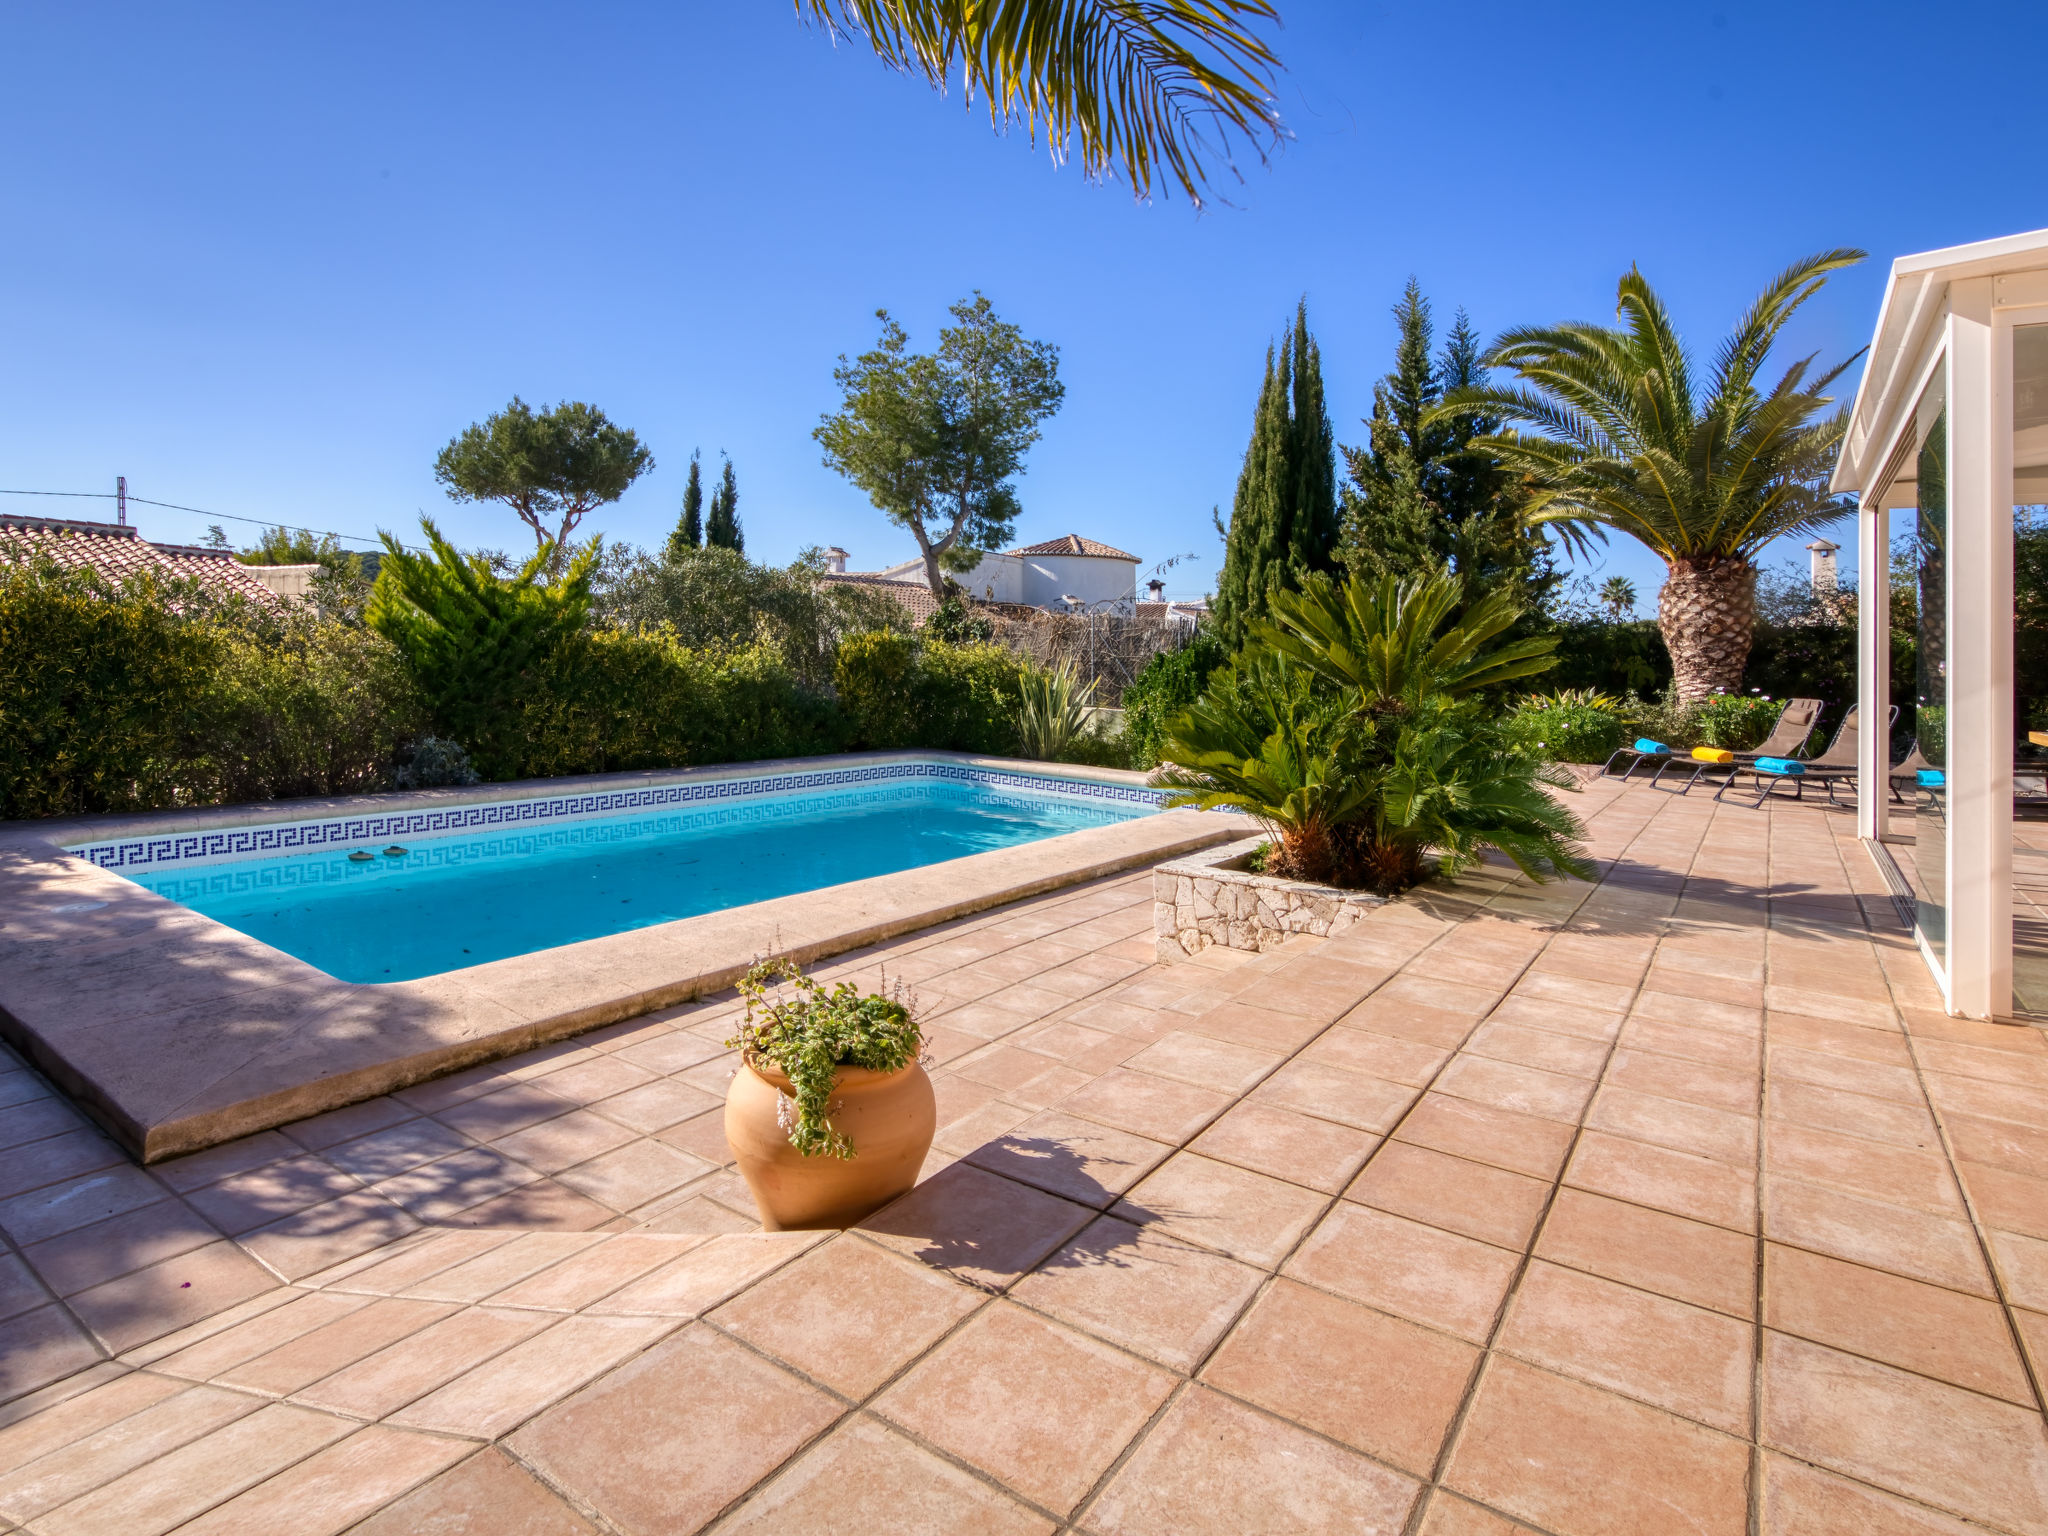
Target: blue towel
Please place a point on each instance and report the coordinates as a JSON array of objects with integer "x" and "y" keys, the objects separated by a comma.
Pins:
[
  {"x": 1932, "y": 778},
  {"x": 1784, "y": 767},
  {"x": 1650, "y": 748}
]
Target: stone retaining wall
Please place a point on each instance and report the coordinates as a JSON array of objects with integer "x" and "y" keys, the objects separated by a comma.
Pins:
[{"x": 1201, "y": 900}]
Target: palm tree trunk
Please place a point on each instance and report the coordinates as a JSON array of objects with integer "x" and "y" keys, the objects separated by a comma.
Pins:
[{"x": 1707, "y": 612}]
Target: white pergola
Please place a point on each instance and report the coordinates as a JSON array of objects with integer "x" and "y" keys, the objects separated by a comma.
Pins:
[{"x": 1951, "y": 426}]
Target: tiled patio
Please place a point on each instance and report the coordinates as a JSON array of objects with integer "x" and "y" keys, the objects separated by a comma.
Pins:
[{"x": 1667, "y": 1205}]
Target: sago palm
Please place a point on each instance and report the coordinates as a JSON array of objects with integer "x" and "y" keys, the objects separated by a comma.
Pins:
[
  {"x": 1705, "y": 473},
  {"x": 1135, "y": 86}
]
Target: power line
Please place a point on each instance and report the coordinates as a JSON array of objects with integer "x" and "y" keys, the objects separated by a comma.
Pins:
[{"x": 171, "y": 506}]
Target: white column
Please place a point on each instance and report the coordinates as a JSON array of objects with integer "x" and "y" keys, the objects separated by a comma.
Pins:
[
  {"x": 1873, "y": 663},
  {"x": 1980, "y": 742}
]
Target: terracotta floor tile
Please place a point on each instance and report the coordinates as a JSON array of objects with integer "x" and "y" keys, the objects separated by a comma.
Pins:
[
  {"x": 40, "y": 1346},
  {"x": 450, "y": 1185},
  {"x": 1168, "y": 1300},
  {"x": 332, "y": 1347},
  {"x": 1906, "y": 1242},
  {"x": 1971, "y": 1455},
  {"x": 1331, "y": 1093},
  {"x": 982, "y": 1228},
  {"x": 394, "y": 1271},
  {"x": 348, "y": 1124},
  {"x": 1381, "y": 1385},
  {"x": 595, "y": 1272},
  {"x": 495, "y": 1397},
  {"x": 1150, "y": 1106},
  {"x": 1490, "y": 1204},
  {"x": 1826, "y": 1069},
  {"x": 1357, "y": 1050},
  {"x": 1213, "y": 1467},
  {"x": 1593, "y": 1027},
  {"x": 1500, "y": 1138},
  {"x": 708, "y": 1273},
  {"x": 172, "y": 1488},
  {"x": 1071, "y": 1157},
  {"x": 701, "y": 1136},
  {"x": 54, "y": 1159},
  {"x": 1207, "y": 1063},
  {"x": 848, "y": 1313},
  {"x": 1575, "y": 1459},
  {"x": 329, "y": 1491},
  {"x": 676, "y": 1051},
  {"x": 1852, "y": 1114},
  {"x": 563, "y": 1141},
  {"x": 2023, "y": 1263},
  {"x": 2011, "y": 1201},
  {"x": 166, "y": 1296},
  {"x": 1673, "y": 1356},
  {"x": 1653, "y": 1250},
  {"x": 1710, "y": 1047},
  {"x": 1955, "y": 1338},
  {"x": 980, "y": 1126},
  {"x": 1799, "y": 1500},
  {"x": 1444, "y": 1028},
  {"x": 87, "y": 1256},
  {"x": 395, "y": 1149},
  {"x": 1450, "y": 1515},
  {"x": 1716, "y": 1133},
  {"x": 864, "y": 1477},
  {"x": 1271, "y": 1027},
  {"x": 1542, "y": 1048},
  {"x": 489, "y": 1493},
  {"x": 1406, "y": 1268},
  {"x": 981, "y": 1395},
  {"x": 58, "y": 1208},
  {"x": 408, "y": 1370},
  {"x": 1678, "y": 1182},
  {"x": 106, "y": 1449},
  {"x": 1525, "y": 1090},
  {"x": 1218, "y": 1205},
  {"x": 527, "y": 1254},
  {"x": 1999, "y": 1144},
  {"x": 1728, "y": 1089},
  {"x": 675, "y": 1436},
  {"x": 1896, "y": 1175},
  {"x": 1318, "y": 1153},
  {"x": 1698, "y": 1013},
  {"x": 630, "y": 1176}
]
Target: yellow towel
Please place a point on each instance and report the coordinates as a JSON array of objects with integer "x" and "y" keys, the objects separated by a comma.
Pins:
[{"x": 1712, "y": 755}]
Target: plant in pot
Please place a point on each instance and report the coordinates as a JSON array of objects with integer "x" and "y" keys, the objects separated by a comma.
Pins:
[{"x": 830, "y": 1114}]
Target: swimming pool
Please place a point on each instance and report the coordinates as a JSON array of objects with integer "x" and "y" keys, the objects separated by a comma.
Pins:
[{"x": 485, "y": 882}]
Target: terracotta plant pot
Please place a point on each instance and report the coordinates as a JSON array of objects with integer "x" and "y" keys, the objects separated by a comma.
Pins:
[{"x": 889, "y": 1117}]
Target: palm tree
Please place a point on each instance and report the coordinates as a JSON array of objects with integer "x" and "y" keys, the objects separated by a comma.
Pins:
[
  {"x": 1138, "y": 83},
  {"x": 1618, "y": 597},
  {"x": 1625, "y": 440}
]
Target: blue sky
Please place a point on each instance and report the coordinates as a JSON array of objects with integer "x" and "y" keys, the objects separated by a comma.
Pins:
[{"x": 267, "y": 260}]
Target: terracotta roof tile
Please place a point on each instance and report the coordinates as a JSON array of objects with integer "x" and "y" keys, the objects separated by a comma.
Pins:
[
  {"x": 915, "y": 596},
  {"x": 1074, "y": 544},
  {"x": 120, "y": 553}
]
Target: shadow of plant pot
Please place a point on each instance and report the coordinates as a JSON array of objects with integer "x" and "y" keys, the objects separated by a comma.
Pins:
[{"x": 889, "y": 1117}]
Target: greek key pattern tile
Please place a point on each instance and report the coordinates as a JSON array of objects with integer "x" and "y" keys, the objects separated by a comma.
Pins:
[{"x": 274, "y": 838}]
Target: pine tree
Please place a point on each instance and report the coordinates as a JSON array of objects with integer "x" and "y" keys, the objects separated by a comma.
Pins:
[
  {"x": 722, "y": 530},
  {"x": 1420, "y": 497},
  {"x": 689, "y": 530},
  {"x": 1283, "y": 522}
]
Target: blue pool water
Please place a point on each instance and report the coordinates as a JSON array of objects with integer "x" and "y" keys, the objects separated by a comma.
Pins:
[{"x": 463, "y": 900}]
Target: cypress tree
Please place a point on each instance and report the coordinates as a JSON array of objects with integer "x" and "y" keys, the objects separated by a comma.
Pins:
[
  {"x": 689, "y": 529},
  {"x": 1283, "y": 522},
  {"x": 722, "y": 530},
  {"x": 1420, "y": 496}
]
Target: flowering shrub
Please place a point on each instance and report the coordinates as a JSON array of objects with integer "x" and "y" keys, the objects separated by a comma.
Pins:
[
  {"x": 1576, "y": 727},
  {"x": 1736, "y": 721}
]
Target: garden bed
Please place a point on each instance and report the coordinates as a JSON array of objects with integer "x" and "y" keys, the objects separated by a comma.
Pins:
[{"x": 1210, "y": 899}]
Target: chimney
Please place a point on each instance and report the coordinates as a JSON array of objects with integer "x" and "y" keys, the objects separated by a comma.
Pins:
[
  {"x": 1155, "y": 590},
  {"x": 835, "y": 560},
  {"x": 1823, "y": 553}
]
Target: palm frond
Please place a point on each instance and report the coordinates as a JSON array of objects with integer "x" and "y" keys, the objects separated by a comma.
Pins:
[{"x": 1148, "y": 88}]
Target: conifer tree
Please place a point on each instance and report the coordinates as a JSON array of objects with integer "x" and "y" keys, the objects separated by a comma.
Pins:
[
  {"x": 1420, "y": 496},
  {"x": 722, "y": 529},
  {"x": 689, "y": 529},
  {"x": 1283, "y": 522}
]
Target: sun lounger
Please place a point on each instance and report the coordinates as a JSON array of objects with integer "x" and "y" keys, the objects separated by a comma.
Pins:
[{"x": 1787, "y": 739}]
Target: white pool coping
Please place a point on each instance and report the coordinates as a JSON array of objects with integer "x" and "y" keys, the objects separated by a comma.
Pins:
[{"x": 177, "y": 1032}]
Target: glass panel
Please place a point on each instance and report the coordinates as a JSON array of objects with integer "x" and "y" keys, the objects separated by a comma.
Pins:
[
  {"x": 2030, "y": 668},
  {"x": 1929, "y": 787}
]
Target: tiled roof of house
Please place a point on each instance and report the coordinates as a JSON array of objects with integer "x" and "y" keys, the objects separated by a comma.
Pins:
[
  {"x": 915, "y": 596},
  {"x": 117, "y": 552},
  {"x": 1074, "y": 544}
]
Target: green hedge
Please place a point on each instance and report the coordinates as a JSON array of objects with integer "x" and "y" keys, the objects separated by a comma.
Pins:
[
  {"x": 900, "y": 691},
  {"x": 1567, "y": 733}
]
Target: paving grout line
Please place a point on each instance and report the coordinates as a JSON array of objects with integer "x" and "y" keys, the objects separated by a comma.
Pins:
[{"x": 1489, "y": 1350}]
